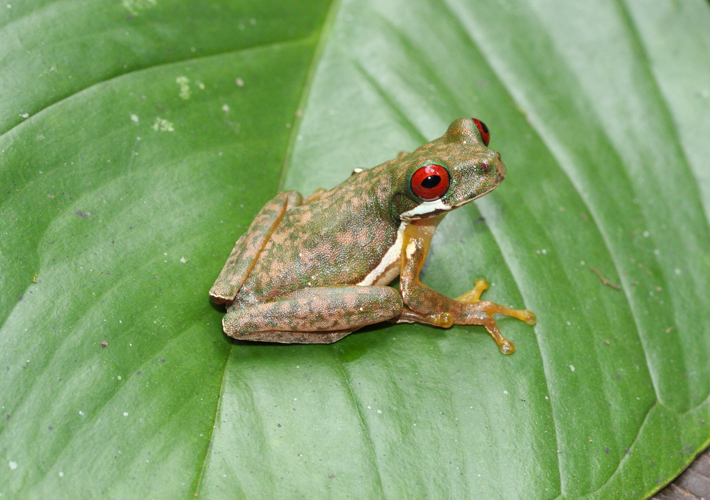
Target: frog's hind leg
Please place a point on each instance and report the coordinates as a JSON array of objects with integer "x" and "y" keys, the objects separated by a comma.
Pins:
[
  {"x": 249, "y": 246},
  {"x": 296, "y": 337},
  {"x": 318, "y": 315}
]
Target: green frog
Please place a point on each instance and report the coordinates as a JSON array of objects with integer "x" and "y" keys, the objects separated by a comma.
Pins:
[{"x": 314, "y": 270}]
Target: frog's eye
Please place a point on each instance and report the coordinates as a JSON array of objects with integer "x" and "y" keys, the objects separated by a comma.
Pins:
[
  {"x": 483, "y": 130},
  {"x": 430, "y": 182}
]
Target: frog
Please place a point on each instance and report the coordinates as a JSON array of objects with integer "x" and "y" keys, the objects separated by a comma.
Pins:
[{"x": 313, "y": 270}]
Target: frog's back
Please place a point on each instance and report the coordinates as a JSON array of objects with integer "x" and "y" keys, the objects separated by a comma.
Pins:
[{"x": 323, "y": 243}]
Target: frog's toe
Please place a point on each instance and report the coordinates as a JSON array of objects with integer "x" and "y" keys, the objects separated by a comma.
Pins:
[
  {"x": 529, "y": 317},
  {"x": 506, "y": 346},
  {"x": 474, "y": 295},
  {"x": 521, "y": 314}
]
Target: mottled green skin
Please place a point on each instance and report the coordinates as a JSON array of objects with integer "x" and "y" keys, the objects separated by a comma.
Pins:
[{"x": 286, "y": 278}]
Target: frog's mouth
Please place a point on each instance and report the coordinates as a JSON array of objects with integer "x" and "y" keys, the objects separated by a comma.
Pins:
[
  {"x": 437, "y": 207},
  {"x": 427, "y": 209}
]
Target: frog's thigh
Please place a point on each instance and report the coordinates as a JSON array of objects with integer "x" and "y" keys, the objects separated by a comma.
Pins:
[
  {"x": 249, "y": 245},
  {"x": 322, "y": 310}
]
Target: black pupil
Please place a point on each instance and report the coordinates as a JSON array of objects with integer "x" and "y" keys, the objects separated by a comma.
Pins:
[
  {"x": 483, "y": 126},
  {"x": 431, "y": 181}
]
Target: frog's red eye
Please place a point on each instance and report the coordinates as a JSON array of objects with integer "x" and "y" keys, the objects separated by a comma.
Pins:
[
  {"x": 483, "y": 130},
  {"x": 430, "y": 182}
]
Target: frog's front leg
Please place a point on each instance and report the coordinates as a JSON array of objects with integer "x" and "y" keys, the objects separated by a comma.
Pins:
[
  {"x": 424, "y": 305},
  {"x": 319, "y": 315}
]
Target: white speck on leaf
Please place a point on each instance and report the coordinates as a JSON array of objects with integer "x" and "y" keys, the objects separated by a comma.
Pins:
[
  {"x": 163, "y": 125},
  {"x": 183, "y": 260},
  {"x": 240, "y": 82},
  {"x": 571, "y": 367},
  {"x": 13, "y": 465},
  {"x": 135, "y": 6},
  {"x": 134, "y": 118},
  {"x": 184, "y": 84}
]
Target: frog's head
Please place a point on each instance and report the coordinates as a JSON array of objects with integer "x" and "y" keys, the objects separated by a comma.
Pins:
[{"x": 451, "y": 171}]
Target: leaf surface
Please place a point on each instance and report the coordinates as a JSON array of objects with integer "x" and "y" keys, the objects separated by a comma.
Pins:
[{"x": 139, "y": 140}]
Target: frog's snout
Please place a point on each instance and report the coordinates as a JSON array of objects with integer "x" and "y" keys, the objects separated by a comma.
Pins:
[{"x": 500, "y": 168}]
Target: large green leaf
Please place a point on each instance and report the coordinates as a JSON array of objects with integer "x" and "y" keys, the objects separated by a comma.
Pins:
[{"x": 140, "y": 138}]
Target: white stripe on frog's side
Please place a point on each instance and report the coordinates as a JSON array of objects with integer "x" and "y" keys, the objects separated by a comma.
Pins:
[
  {"x": 424, "y": 209},
  {"x": 388, "y": 268}
]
